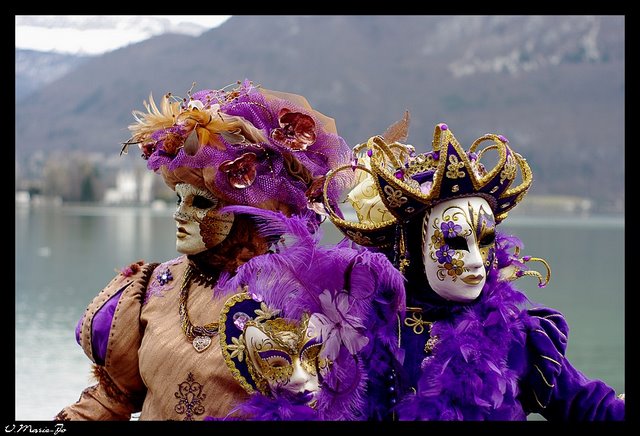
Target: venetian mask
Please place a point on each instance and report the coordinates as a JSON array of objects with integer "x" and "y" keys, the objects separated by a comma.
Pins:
[
  {"x": 284, "y": 355},
  {"x": 459, "y": 247},
  {"x": 200, "y": 225}
]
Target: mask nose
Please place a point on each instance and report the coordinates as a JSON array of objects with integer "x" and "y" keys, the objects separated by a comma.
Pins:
[
  {"x": 180, "y": 214},
  {"x": 300, "y": 378},
  {"x": 474, "y": 260}
]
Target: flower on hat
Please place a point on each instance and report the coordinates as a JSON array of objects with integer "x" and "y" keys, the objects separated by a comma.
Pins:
[
  {"x": 241, "y": 172},
  {"x": 296, "y": 131}
]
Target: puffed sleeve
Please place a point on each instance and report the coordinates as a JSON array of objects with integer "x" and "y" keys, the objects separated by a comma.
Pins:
[
  {"x": 110, "y": 334},
  {"x": 552, "y": 386}
]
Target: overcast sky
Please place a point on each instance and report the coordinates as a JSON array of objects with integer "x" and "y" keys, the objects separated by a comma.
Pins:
[{"x": 96, "y": 34}]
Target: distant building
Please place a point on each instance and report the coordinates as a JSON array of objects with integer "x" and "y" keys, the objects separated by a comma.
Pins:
[
  {"x": 554, "y": 205},
  {"x": 131, "y": 188},
  {"x": 146, "y": 187},
  {"x": 22, "y": 198},
  {"x": 25, "y": 199}
]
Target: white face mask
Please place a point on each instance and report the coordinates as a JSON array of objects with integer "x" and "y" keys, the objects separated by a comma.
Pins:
[
  {"x": 458, "y": 247},
  {"x": 287, "y": 358},
  {"x": 199, "y": 224}
]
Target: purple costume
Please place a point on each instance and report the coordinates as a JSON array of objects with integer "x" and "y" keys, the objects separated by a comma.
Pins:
[
  {"x": 498, "y": 358},
  {"x": 472, "y": 350}
]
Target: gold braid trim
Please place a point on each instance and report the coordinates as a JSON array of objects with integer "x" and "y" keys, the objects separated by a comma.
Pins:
[
  {"x": 550, "y": 359},
  {"x": 535, "y": 396},
  {"x": 543, "y": 377}
]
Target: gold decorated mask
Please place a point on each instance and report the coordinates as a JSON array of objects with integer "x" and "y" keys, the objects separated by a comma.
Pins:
[{"x": 284, "y": 356}]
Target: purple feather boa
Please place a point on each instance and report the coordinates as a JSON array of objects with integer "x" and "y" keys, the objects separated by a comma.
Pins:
[
  {"x": 262, "y": 408},
  {"x": 293, "y": 278},
  {"x": 472, "y": 373}
]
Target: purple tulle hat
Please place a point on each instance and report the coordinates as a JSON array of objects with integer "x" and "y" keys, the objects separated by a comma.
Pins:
[{"x": 247, "y": 145}]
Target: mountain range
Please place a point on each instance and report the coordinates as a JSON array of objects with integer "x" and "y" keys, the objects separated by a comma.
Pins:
[
  {"x": 554, "y": 85},
  {"x": 36, "y": 69}
]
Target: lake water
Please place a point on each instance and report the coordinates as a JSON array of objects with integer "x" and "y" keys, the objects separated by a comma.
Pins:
[{"x": 66, "y": 255}]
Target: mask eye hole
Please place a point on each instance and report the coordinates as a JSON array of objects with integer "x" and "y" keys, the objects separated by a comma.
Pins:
[
  {"x": 309, "y": 357},
  {"x": 178, "y": 200},
  {"x": 488, "y": 239},
  {"x": 277, "y": 362},
  {"x": 311, "y": 352},
  {"x": 275, "y": 358},
  {"x": 457, "y": 243},
  {"x": 201, "y": 202}
]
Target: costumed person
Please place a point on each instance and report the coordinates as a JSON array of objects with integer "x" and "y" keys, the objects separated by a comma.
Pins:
[
  {"x": 309, "y": 325},
  {"x": 151, "y": 333},
  {"x": 476, "y": 348}
]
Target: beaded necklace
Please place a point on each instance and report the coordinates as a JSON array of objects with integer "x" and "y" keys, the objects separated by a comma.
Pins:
[{"x": 200, "y": 336}]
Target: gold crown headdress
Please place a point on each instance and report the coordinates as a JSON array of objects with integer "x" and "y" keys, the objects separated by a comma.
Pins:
[{"x": 395, "y": 185}]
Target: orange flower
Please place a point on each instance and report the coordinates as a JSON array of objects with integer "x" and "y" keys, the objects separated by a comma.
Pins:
[
  {"x": 211, "y": 126},
  {"x": 171, "y": 142},
  {"x": 154, "y": 119}
]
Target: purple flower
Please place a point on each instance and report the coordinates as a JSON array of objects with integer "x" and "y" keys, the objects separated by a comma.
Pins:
[
  {"x": 336, "y": 327},
  {"x": 445, "y": 254},
  {"x": 450, "y": 229},
  {"x": 165, "y": 277}
]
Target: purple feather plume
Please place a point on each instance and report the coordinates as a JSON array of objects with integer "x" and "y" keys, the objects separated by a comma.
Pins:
[{"x": 357, "y": 293}]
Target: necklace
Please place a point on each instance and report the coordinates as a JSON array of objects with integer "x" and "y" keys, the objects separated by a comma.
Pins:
[{"x": 200, "y": 336}]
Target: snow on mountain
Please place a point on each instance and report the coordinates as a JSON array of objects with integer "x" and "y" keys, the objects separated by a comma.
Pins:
[{"x": 96, "y": 34}]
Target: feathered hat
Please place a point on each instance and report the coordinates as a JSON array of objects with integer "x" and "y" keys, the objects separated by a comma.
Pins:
[{"x": 248, "y": 146}]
